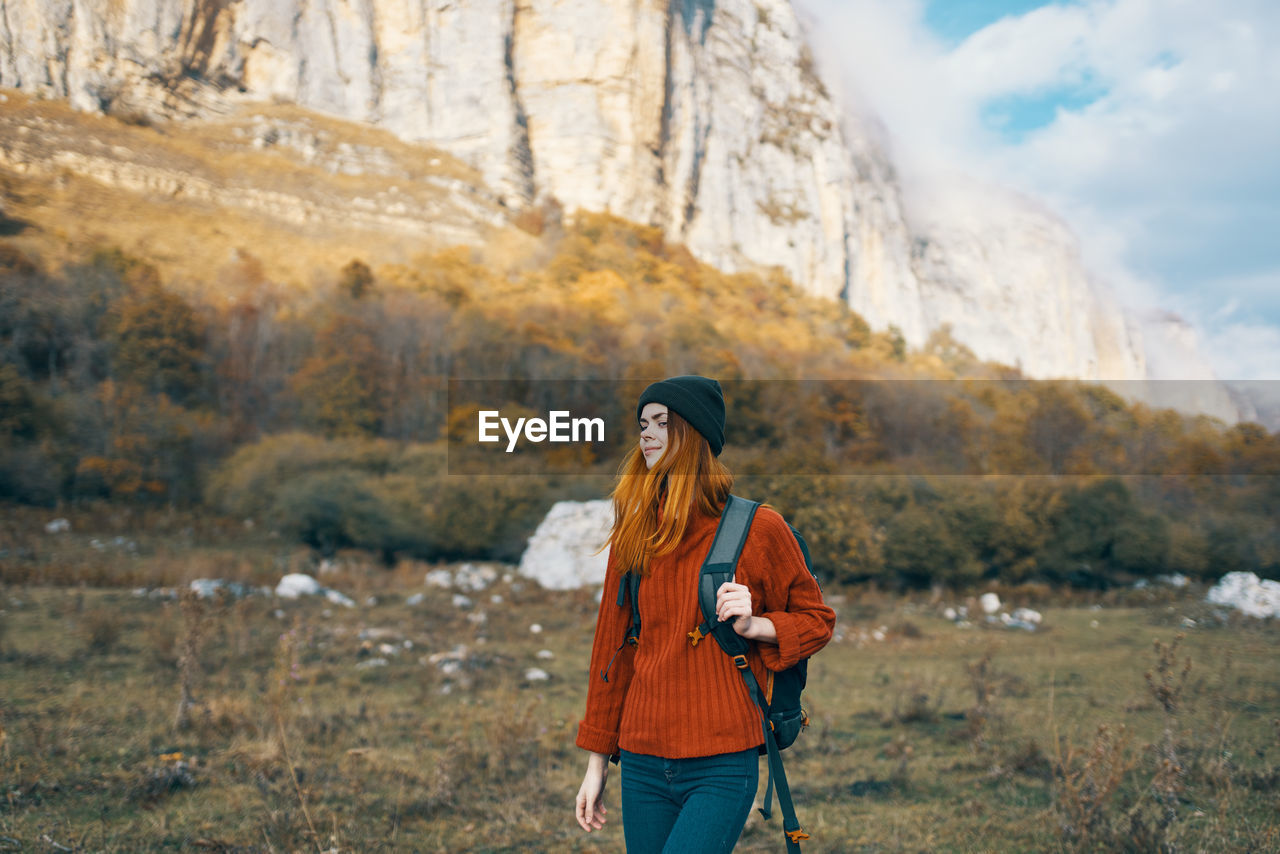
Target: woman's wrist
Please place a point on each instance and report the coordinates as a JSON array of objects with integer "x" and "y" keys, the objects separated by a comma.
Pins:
[{"x": 760, "y": 629}]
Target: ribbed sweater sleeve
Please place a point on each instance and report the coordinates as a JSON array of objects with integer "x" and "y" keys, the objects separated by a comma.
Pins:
[
  {"x": 598, "y": 730},
  {"x": 784, "y": 591}
]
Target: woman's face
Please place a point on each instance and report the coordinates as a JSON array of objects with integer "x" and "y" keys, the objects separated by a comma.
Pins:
[{"x": 653, "y": 432}]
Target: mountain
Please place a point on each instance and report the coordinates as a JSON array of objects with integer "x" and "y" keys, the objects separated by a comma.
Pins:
[{"x": 706, "y": 118}]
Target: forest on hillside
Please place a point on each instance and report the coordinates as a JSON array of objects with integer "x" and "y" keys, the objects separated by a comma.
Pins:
[{"x": 326, "y": 415}]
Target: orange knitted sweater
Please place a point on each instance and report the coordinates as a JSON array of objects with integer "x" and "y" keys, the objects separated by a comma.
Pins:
[{"x": 668, "y": 698}]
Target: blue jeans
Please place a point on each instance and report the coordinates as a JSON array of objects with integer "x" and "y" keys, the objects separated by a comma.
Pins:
[{"x": 687, "y": 806}]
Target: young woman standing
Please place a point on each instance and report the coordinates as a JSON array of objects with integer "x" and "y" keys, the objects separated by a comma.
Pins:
[{"x": 678, "y": 716}]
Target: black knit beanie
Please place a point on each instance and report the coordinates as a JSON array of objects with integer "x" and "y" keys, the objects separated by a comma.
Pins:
[{"x": 698, "y": 400}]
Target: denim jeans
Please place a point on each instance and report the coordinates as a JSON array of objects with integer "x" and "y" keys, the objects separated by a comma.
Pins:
[{"x": 687, "y": 806}]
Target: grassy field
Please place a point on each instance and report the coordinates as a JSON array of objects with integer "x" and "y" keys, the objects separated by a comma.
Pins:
[{"x": 410, "y": 724}]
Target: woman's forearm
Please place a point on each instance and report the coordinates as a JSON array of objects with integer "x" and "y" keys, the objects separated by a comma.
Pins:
[{"x": 761, "y": 629}]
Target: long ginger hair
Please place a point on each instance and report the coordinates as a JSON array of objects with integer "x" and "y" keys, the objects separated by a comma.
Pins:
[{"x": 652, "y": 507}]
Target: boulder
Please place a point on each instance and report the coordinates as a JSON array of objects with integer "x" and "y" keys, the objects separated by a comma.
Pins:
[{"x": 564, "y": 552}]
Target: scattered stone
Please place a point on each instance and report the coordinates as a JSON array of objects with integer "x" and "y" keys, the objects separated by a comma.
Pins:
[
  {"x": 1247, "y": 593},
  {"x": 297, "y": 584},
  {"x": 339, "y": 599},
  {"x": 439, "y": 578},
  {"x": 416, "y": 599},
  {"x": 536, "y": 629},
  {"x": 57, "y": 526},
  {"x": 209, "y": 588},
  {"x": 564, "y": 552},
  {"x": 1027, "y": 615},
  {"x": 371, "y": 662},
  {"x": 1013, "y": 621},
  {"x": 460, "y": 601},
  {"x": 388, "y": 649},
  {"x": 990, "y": 603},
  {"x": 473, "y": 577},
  {"x": 546, "y": 654},
  {"x": 536, "y": 674}
]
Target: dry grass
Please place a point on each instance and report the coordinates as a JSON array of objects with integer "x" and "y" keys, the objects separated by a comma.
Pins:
[
  {"x": 193, "y": 197},
  {"x": 940, "y": 739}
]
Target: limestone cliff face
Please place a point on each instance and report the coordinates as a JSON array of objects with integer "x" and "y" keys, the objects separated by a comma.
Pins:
[{"x": 705, "y": 117}]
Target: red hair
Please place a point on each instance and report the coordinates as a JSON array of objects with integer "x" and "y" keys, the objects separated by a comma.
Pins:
[{"x": 652, "y": 507}]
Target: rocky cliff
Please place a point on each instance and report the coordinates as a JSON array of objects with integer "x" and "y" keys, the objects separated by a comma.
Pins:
[{"x": 705, "y": 117}]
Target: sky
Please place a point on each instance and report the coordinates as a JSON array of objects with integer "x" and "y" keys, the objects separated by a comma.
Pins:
[{"x": 1151, "y": 126}]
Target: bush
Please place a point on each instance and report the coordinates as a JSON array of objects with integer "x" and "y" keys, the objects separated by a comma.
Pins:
[{"x": 376, "y": 495}]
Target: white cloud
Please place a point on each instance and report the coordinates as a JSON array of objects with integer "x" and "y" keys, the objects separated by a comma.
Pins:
[{"x": 1169, "y": 174}]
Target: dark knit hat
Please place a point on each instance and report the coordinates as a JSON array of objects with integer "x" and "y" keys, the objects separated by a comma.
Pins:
[{"x": 698, "y": 400}]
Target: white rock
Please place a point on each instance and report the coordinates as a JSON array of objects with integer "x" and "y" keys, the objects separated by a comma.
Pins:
[
  {"x": 990, "y": 603},
  {"x": 415, "y": 599},
  {"x": 461, "y": 601},
  {"x": 1247, "y": 593},
  {"x": 474, "y": 578},
  {"x": 372, "y": 662},
  {"x": 536, "y": 674},
  {"x": 439, "y": 578},
  {"x": 297, "y": 584},
  {"x": 545, "y": 654},
  {"x": 1027, "y": 615},
  {"x": 206, "y": 588},
  {"x": 536, "y": 628},
  {"x": 562, "y": 553},
  {"x": 339, "y": 599},
  {"x": 950, "y": 614},
  {"x": 57, "y": 526}
]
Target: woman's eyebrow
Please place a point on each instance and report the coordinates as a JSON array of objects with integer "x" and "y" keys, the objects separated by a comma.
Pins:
[{"x": 657, "y": 417}]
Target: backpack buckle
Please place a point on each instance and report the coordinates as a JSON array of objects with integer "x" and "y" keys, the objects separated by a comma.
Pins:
[
  {"x": 796, "y": 835},
  {"x": 740, "y": 661},
  {"x": 695, "y": 636}
]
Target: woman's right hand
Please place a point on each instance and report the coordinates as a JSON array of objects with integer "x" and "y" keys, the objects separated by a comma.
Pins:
[{"x": 590, "y": 805}]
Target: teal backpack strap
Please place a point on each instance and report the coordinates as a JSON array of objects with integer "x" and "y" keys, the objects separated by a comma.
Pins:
[
  {"x": 628, "y": 585},
  {"x": 717, "y": 568}
]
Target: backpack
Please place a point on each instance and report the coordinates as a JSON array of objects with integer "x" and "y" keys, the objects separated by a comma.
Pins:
[{"x": 782, "y": 716}]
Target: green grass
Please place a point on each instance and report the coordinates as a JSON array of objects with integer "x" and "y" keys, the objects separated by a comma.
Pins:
[{"x": 406, "y": 757}]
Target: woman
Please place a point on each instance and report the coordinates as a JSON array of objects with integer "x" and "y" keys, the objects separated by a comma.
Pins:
[{"x": 678, "y": 716}]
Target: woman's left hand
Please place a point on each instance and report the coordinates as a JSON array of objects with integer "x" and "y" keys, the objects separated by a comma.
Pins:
[{"x": 733, "y": 602}]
